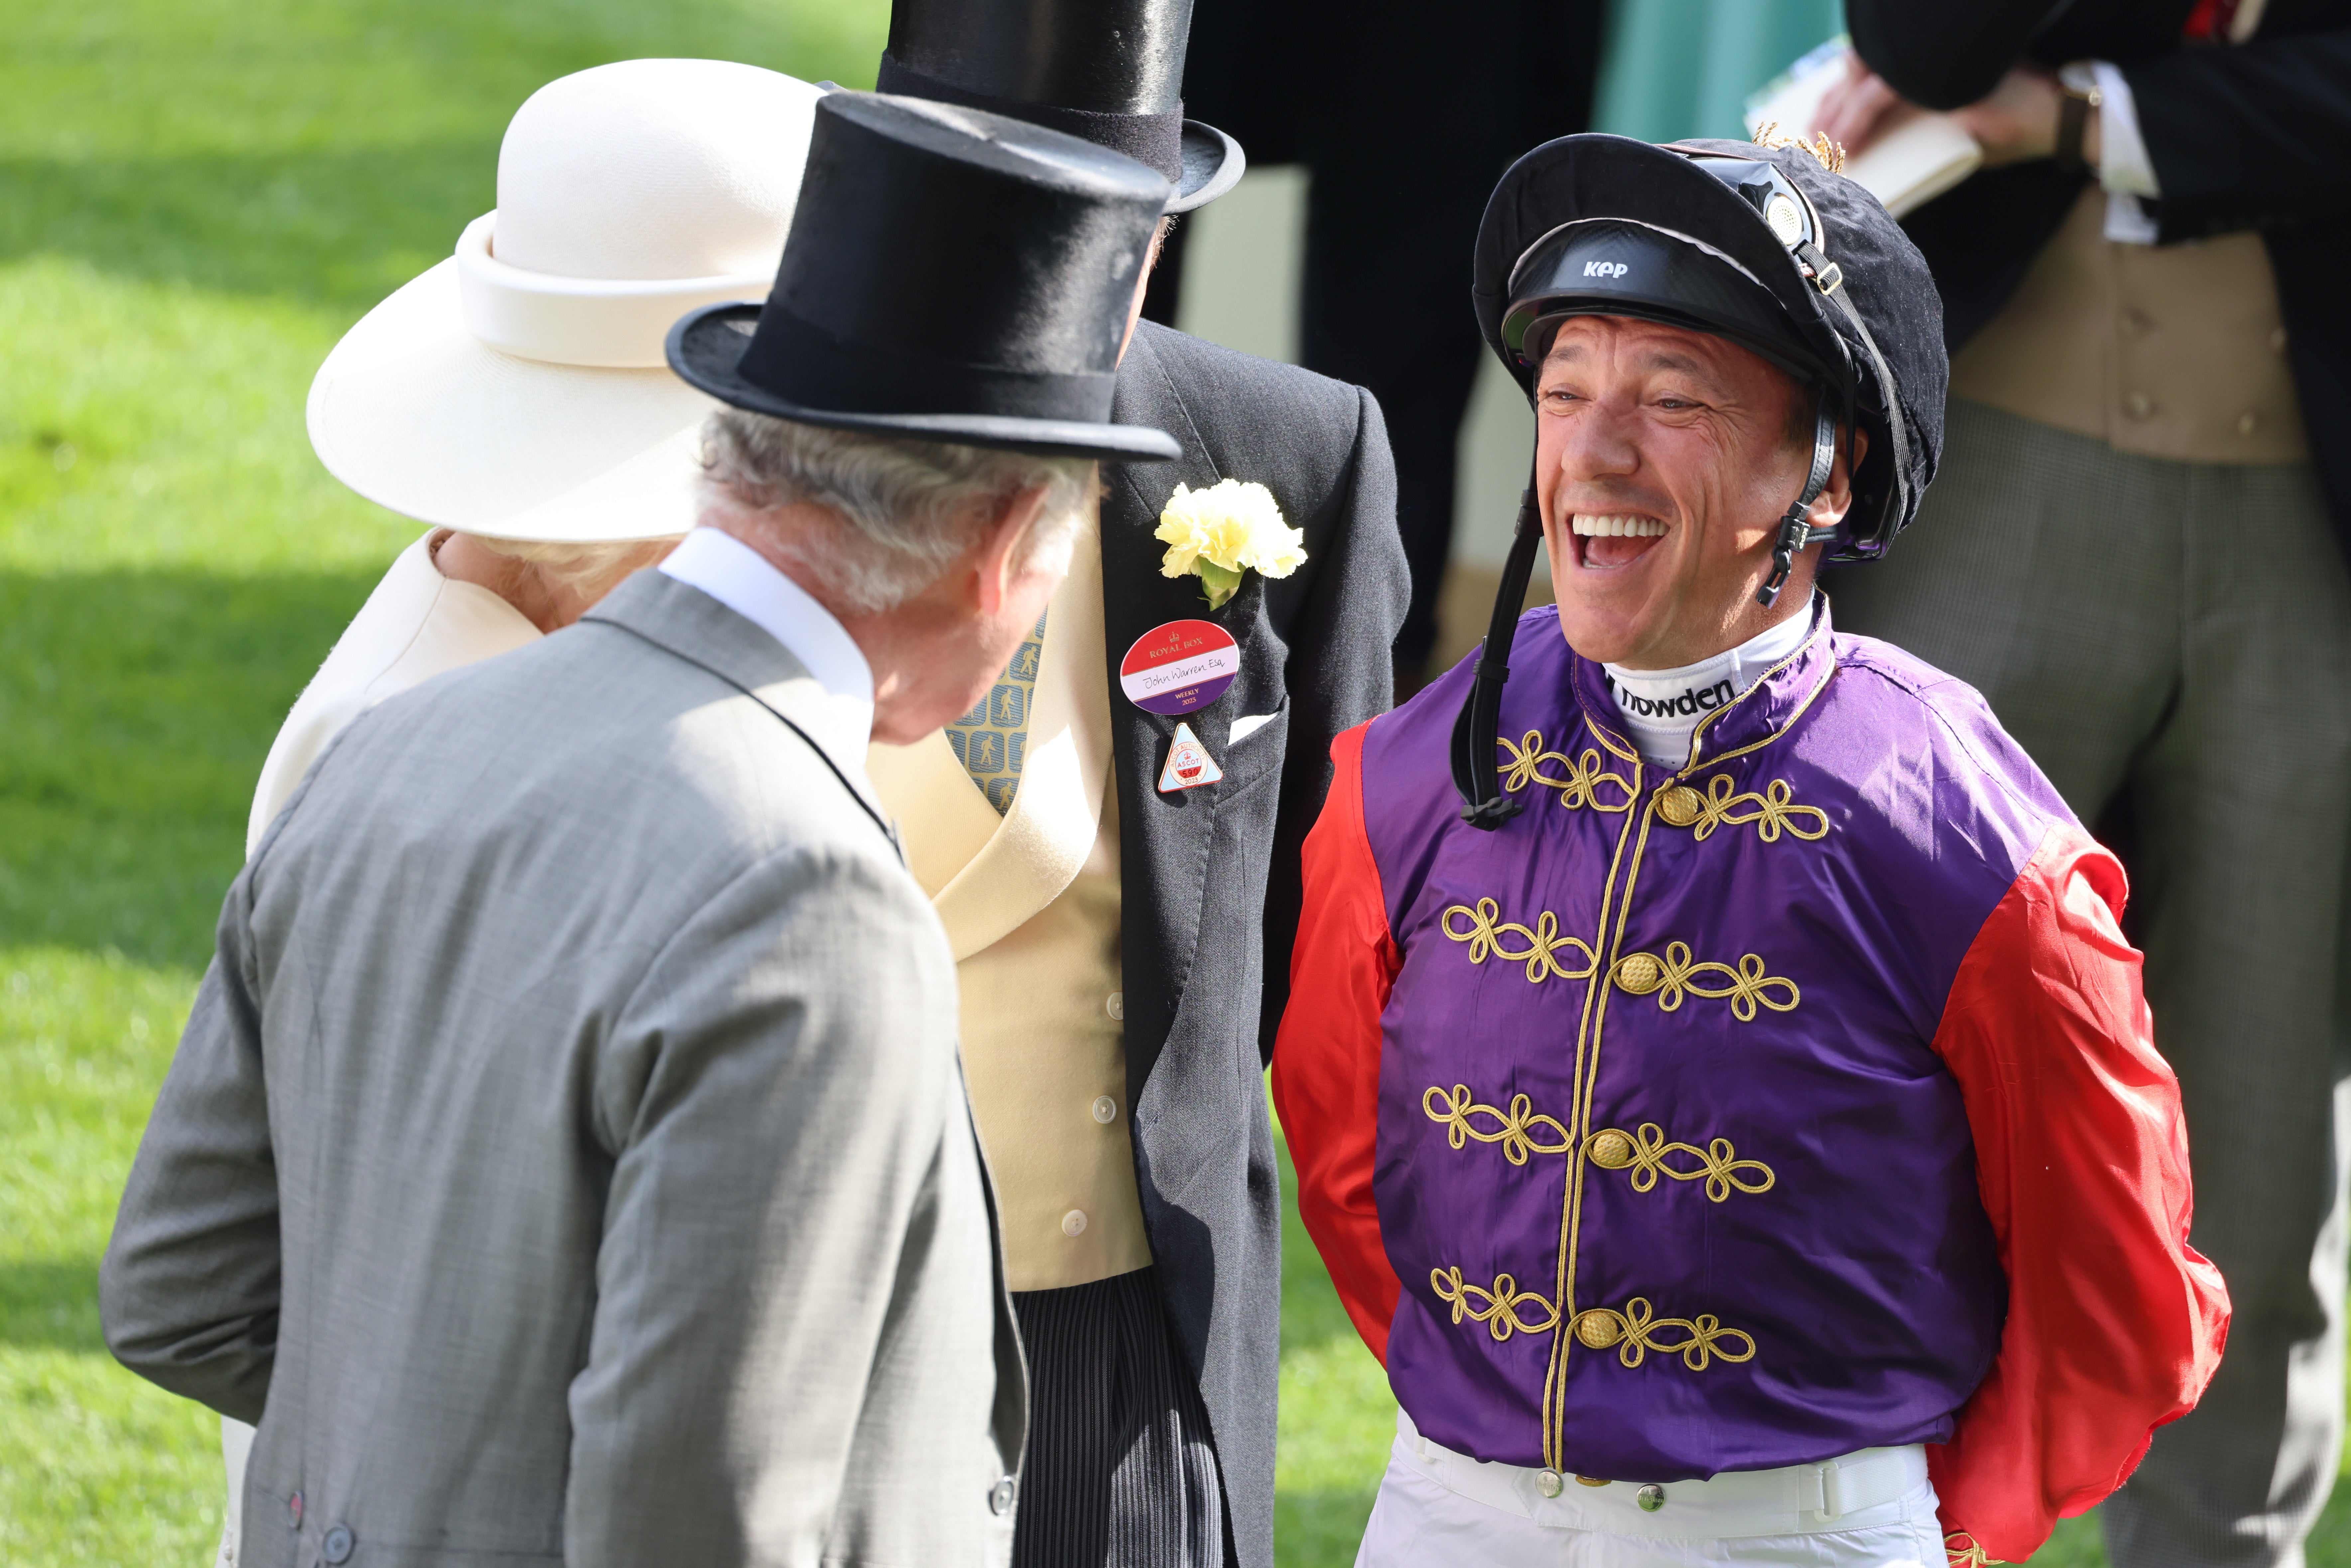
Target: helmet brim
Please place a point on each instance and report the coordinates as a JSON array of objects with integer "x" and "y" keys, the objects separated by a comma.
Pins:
[{"x": 1608, "y": 267}]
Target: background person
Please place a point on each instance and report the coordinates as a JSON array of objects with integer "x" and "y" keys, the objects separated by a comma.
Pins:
[
  {"x": 1737, "y": 1129},
  {"x": 566, "y": 1157},
  {"x": 2135, "y": 552},
  {"x": 553, "y": 445},
  {"x": 516, "y": 393},
  {"x": 1391, "y": 109},
  {"x": 1122, "y": 948}
]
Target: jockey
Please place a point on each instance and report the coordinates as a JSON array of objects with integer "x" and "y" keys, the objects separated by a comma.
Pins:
[{"x": 1717, "y": 1080}]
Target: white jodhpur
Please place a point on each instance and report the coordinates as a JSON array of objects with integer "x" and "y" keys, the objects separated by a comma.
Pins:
[{"x": 1871, "y": 1510}]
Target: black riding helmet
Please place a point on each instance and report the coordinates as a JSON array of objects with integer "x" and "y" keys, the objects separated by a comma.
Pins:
[{"x": 1765, "y": 247}]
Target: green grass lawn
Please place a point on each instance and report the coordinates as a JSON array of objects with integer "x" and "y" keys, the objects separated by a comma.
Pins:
[{"x": 196, "y": 198}]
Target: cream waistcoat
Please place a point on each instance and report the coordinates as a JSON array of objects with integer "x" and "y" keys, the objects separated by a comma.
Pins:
[
  {"x": 2173, "y": 351},
  {"x": 416, "y": 624},
  {"x": 1031, "y": 903}
]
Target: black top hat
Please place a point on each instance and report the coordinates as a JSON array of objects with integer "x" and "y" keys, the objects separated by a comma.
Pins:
[
  {"x": 1109, "y": 70},
  {"x": 951, "y": 275}
]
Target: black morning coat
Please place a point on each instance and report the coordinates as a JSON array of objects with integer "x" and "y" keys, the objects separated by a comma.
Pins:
[
  {"x": 1211, "y": 875},
  {"x": 2254, "y": 136}
]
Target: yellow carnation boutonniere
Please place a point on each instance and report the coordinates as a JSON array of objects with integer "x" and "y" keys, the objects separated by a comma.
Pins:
[{"x": 1225, "y": 530}]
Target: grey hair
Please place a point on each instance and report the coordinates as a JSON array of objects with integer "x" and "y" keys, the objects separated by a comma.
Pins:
[
  {"x": 909, "y": 507},
  {"x": 590, "y": 570}
]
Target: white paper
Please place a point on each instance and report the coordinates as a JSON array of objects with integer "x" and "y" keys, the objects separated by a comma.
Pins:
[{"x": 1905, "y": 170}]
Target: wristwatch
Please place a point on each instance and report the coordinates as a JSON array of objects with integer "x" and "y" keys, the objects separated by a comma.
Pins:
[{"x": 2078, "y": 84}]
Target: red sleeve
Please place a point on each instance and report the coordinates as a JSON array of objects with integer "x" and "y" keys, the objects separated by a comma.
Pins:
[
  {"x": 2114, "y": 1323},
  {"x": 1326, "y": 1059}
]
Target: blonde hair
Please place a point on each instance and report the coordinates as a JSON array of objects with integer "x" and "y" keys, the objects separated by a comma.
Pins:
[{"x": 586, "y": 570}]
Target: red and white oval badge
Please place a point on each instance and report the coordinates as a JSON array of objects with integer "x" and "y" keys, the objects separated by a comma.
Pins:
[{"x": 1180, "y": 667}]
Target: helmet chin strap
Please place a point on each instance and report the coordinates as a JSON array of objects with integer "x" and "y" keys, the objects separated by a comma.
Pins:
[
  {"x": 1796, "y": 531},
  {"x": 1476, "y": 778}
]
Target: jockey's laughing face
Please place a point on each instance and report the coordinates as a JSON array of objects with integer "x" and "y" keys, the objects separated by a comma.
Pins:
[{"x": 1663, "y": 461}]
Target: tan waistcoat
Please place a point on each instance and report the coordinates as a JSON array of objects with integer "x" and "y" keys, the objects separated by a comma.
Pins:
[
  {"x": 2172, "y": 351},
  {"x": 1031, "y": 903}
]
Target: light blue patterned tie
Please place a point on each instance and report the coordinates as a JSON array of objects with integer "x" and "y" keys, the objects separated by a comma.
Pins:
[{"x": 990, "y": 739}]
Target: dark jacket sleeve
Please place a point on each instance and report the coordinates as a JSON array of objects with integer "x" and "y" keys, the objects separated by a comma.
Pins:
[
  {"x": 2241, "y": 137},
  {"x": 1339, "y": 675},
  {"x": 2246, "y": 137},
  {"x": 188, "y": 1292},
  {"x": 1946, "y": 56}
]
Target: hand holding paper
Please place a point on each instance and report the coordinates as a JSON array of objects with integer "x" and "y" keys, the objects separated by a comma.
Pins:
[{"x": 1903, "y": 155}]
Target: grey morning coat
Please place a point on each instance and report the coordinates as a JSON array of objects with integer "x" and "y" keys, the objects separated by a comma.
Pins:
[{"x": 567, "y": 1159}]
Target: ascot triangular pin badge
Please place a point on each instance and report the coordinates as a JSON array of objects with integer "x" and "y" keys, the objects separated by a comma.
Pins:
[{"x": 1189, "y": 766}]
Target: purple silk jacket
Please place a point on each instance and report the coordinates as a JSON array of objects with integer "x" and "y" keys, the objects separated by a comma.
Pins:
[{"x": 1772, "y": 1249}]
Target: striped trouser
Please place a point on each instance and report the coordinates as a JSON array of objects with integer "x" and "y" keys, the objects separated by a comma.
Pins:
[{"x": 1120, "y": 1470}]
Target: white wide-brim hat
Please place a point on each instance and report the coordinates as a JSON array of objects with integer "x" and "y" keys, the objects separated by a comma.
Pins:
[{"x": 519, "y": 389}]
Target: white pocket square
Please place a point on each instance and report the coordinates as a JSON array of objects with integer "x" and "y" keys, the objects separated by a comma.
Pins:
[{"x": 1246, "y": 724}]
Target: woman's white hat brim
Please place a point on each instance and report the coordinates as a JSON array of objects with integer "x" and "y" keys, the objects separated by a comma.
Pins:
[{"x": 416, "y": 413}]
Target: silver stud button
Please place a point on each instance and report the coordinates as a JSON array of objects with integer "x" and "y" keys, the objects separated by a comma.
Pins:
[
  {"x": 1105, "y": 1109},
  {"x": 1651, "y": 1497},
  {"x": 999, "y": 1497},
  {"x": 1548, "y": 1484}
]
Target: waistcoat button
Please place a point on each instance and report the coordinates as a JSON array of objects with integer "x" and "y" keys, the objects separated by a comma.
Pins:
[
  {"x": 2248, "y": 422},
  {"x": 1074, "y": 1222},
  {"x": 999, "y": 1497},
  {"x": 1651, "y": 1497},
  {"x": 1599, "y": 1329},
  {"x": 1640, "y": 973},
  {"x": 338, "y": 1544},
  {"x": 1548, "y": 1484},
  {"x": 1679, "y": 806},
  {"x": 1610, "y": 1150},
  {"x": 2138, "y": 405},
  {"x": 1116, "y": 1006},
  {"x": 1105, "y": 1109}
]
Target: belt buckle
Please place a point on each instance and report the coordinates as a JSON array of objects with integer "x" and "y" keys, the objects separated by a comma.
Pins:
[{"x": 1832, "y": 1491}]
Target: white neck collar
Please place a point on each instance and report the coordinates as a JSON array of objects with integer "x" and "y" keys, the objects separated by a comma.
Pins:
[
  {"x": 744, "y": 580},
  {"x": 1663, "y": 708}
]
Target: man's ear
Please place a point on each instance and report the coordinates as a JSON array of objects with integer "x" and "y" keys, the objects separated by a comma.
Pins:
[
  {"x": 1143, "y": 284},
  {"x": 1835, "y": 499},
  {"x": 1003, "y": 546}
]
